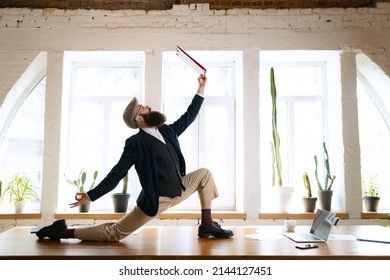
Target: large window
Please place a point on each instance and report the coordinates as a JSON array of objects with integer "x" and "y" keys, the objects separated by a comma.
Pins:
[
  {"x": 101, "y": 86},
  {"x": 22, "y": 131},
  {"x": 374, "y": 136},
  {"x": 302, "y": 99},
  {"x": 210, "y": 141}
]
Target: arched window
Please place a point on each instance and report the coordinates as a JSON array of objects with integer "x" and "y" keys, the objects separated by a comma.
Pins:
[
  {"x": 22, "y": 129},
  {"x": 374, "y": 126}
]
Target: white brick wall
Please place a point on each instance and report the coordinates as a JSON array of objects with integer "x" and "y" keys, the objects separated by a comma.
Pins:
[
  {"x": 199, "y": 19},
  {"x": 350, "y": 18}
]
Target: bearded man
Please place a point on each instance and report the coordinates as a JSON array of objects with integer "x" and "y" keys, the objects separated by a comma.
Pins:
[{"x": 155, "y": 153}]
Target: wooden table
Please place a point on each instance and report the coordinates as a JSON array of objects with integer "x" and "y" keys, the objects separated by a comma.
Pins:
[{"x": 181, "y": 242}]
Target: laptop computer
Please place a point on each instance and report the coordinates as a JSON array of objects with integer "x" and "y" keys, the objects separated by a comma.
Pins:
[
  {"x": 374, "y": 233},
  {"x": 380, "y": 238},
  {"x": 319, "y": 231}
]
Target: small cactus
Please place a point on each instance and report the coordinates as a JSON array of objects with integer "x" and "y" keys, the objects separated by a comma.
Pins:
[
  {"x": 306, "y": 182},
  {"x": 125, "y": 182},
  {"x": 80, "y": 181},
  {"x": 95, "y": 174}
]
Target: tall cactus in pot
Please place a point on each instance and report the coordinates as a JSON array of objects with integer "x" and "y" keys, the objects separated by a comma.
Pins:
[
  {"x": 275, "y": 144},
  {"x": 325, "y": 191},
  {"x": 328, "y": 178}
]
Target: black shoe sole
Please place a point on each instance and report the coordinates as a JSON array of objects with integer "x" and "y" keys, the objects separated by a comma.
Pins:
[{"x": 215, "y": 235}]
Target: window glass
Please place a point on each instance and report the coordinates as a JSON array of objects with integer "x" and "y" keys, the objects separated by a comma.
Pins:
[
  {"x": 209, "y": 141},
  {"x": 301, "y": 99},
  {"x": 21, "y": 150},
  {"x": 107, "y": 81},
  {"x": 221, "y": 80},
  {"x": 308, "y": 137},
  {"x": 103, "y": 84},
  {"x": 374, "y": 137},
  {"x": 302, "y": 80},
  {"x": 300, "y": 123}
]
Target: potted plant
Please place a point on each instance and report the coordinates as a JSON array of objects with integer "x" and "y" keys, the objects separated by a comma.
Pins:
[
  {"x": 20, "y": 190},
  {"x": 370, "y": 193},
  {"x": 283, "y": 194},
  {"x": 309, "y": 202},
  {"x": 121, "y": 200},
  {"x": 325, "y": 192},
  {"x": 79, "y": 183}
]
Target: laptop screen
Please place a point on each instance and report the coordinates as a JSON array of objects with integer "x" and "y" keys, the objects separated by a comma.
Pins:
[{"x": 322, "y": 223}]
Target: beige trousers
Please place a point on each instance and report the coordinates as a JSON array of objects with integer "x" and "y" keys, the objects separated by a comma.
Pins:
[{"x": 200, "y": 180}]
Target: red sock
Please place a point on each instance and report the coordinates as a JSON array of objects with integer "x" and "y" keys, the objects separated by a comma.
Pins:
[{"x": 206, "y": 217}]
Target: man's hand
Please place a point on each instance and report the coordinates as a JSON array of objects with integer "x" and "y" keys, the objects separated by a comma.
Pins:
[
  {"x": 202, "y": 80},
  {"x": 80, "y": 198}
]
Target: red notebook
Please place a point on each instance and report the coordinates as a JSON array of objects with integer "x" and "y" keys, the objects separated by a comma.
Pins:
[{"x": 190, "y": 61}]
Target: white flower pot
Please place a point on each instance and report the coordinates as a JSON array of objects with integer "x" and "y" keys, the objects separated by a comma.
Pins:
[
  {"x": 282, "y": 197},
  {"x": 19, "y": 206}
]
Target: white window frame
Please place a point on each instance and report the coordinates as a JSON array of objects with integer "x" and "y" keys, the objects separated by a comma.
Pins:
[
  {"x": 233, "y": 60},
  {"x": 329, "y": 61},
  {"x": 104, "y": 59},
  {"x": 34, "y": 73}
]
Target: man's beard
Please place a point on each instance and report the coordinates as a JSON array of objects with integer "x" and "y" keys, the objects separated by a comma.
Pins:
[{"x": 154, "y": 119}]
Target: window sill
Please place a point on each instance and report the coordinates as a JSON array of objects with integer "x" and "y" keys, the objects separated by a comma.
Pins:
[
  {"x": 23, "y": 216},
  {"x": 169, "y": 215},
  {"x": 384, "y": 214},
  {"x": 298, "y": 216}
]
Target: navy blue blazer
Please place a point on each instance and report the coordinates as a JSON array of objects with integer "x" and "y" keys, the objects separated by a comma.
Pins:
[{"x": 138, "y": 151}]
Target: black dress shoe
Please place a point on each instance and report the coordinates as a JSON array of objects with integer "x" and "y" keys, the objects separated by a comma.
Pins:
[
  {"x": 53, "y": 230},
  {"x": 214, "y": 230}
]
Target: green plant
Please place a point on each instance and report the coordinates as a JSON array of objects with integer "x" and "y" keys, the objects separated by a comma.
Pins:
[
  {"x": 19, "y": 189},
  {"x": 370, "y": 187},
  {"x": 125, "y": 183},
  {"x": 275, "y": 144},
  {"x": 79, "y": 182},
  {"x": 306, "y": 182},
  {"x": 328, "y": 178}
]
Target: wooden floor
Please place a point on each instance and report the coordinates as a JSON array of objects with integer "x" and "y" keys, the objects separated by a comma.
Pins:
[{"x": 181, "y": 242}]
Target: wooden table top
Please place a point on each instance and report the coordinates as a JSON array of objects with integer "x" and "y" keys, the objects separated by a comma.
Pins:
[{"x": 182, "y": 242}]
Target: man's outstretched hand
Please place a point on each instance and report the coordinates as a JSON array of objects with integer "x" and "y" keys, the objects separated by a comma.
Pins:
[{"x": 202, "y": 80}]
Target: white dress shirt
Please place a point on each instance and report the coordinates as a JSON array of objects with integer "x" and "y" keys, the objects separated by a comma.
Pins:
[{"x": 154, "y": 132}]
